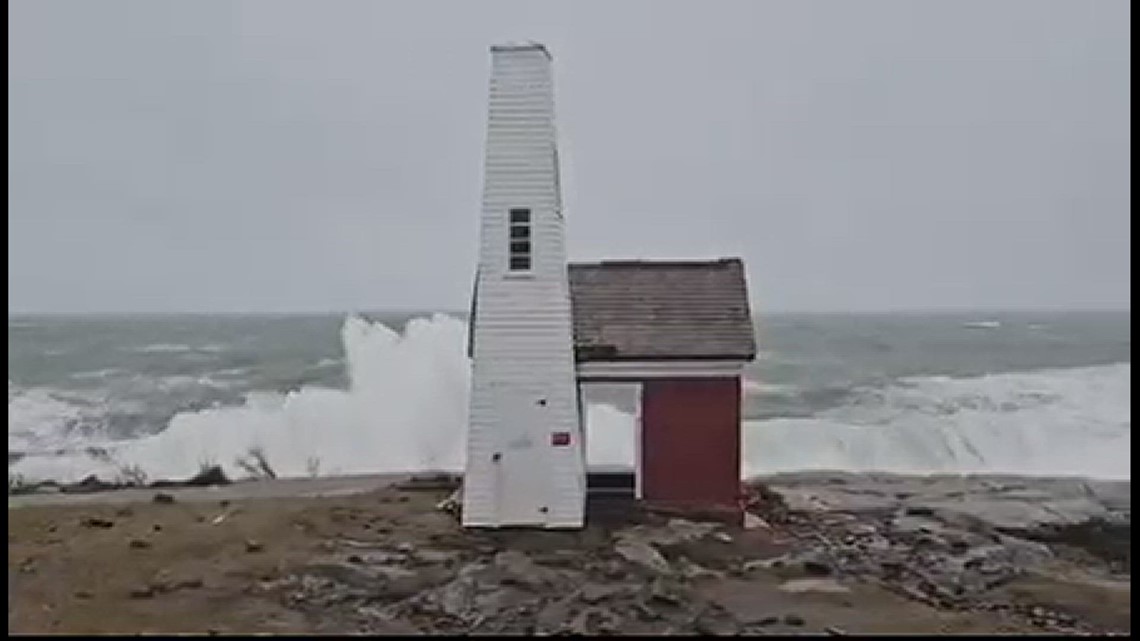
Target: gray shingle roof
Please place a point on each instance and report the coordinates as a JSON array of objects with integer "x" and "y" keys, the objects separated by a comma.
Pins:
[{"x": 652, "y": 310}]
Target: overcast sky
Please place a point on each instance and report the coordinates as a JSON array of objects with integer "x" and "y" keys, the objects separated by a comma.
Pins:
[{"x": 326, "y": 155}]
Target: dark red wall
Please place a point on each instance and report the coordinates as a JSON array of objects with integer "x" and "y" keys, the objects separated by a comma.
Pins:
[{"x": 691, "y": 442}]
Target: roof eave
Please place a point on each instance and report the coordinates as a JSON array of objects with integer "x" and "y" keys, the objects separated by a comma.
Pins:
[{"x": 659, "y": 358}]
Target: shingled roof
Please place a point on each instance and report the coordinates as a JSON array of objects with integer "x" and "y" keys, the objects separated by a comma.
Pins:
[{"x": 654, "y": 310}]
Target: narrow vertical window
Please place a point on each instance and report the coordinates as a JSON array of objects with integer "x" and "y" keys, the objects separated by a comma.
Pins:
[{"x": 520, "y": 245}]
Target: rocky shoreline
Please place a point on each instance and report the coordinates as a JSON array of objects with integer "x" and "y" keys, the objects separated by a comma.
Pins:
[
  {"x": 210, "y": 476},
  {"x": 954, "y": 542},
  {"x": 946, "y": 543},
  {"x": 820, "y": 553}
]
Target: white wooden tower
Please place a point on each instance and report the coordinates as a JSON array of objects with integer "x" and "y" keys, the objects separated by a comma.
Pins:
[{"x": 525, "y": 447}]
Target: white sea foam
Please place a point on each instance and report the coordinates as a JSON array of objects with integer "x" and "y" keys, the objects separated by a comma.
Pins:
[
  {"x": 45, "y": 420},
  {"x": 405, "y": 410},
  {"x": 1075, "y": 421},
  {"x": 610, "y": 437},
  {"x": 162, "y": 348},
  {"x": 97, "y": 374},
  {"x": 237, "y": 373},
  {"x": 178, "y": 348},
  {"x": 770, "y": 389}
]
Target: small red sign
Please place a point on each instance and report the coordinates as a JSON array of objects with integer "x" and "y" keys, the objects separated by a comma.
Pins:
[{"x": 560, "y": 439}]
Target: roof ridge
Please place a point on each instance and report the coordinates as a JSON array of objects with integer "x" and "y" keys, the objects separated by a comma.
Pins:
[{"x": 635, "y": 262}]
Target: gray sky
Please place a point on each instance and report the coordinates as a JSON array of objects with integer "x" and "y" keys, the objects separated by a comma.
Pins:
[{"x": 326, "y": 155}]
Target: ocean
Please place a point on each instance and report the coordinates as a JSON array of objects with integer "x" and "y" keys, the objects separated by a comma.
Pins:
[{"x": 1020, "y": 393}]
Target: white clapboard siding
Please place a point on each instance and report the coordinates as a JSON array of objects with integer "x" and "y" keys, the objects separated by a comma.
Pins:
[{"x": 522, "y": 336}]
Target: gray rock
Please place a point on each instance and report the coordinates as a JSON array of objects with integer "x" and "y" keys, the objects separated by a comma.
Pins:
[
  {"x": 1025, "y": 553},
  {"x": 434, "y": 556},
  {"x": 476, "y": 591},
  {"x": 675, "y": 532},
  {"x": 614, "y": 570},
  {"x": 351, "y": 575},
  {"x": 1000, "y": 512},
  {"x": 143, "y": 592},
  {"x": 584, "y": 624},
  {"x": 794, "y": 620},
  {"x": 187, "y": 584},
  {"x": 766, "y": 564},
  {"x": 646, "y": 613},
  {"x": 799, "y": 586},
  {"x": 456, "y": 597},
  {"x": 689, "y": 570},
  {"x": 97, "y": 522},
  {"x": 642, "y": 554},
  {"x": 910, "y": 524},
  {"x": 517, "y": 568},
  {"x": 706, "y": 624},
  {"x": 592, "y": 593},
  {"x": 555, "y": 613},
  {"x": 409, "y": 584},
  {"x": 754, "y": 522},
  {"x": 665, "y": 593},
  {"x": 817, "y": 567},
  {"x": 392, "y": 573}
]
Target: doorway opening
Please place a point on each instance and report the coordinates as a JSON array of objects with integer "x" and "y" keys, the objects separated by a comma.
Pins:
[{"x": 612, "y": 418}]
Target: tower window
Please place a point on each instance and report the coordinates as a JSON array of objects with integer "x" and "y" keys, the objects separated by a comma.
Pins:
[{"x": 520, "y": 245}]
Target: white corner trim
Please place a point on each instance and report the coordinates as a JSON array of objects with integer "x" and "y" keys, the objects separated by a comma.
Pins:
[{"x": 659, "y": 369}]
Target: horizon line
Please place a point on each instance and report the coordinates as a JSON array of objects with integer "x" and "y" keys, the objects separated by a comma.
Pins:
[{"x": 464, "y": 312}]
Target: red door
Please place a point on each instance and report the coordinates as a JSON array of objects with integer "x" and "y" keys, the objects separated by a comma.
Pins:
[{"x": 691, "y": 441}]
